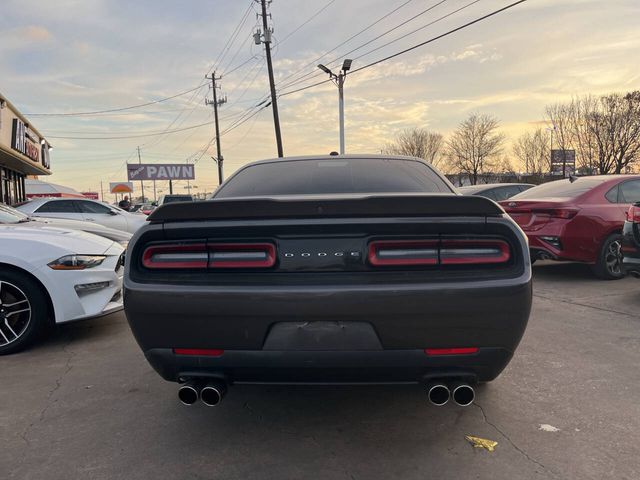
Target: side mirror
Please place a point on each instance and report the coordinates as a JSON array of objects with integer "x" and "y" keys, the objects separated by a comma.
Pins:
[{"x": 113, "y": 212}]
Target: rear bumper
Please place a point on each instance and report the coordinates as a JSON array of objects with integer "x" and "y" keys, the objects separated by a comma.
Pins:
[
  {"x": 406, "y": 319},
  {"x": 329, "y": 367}
]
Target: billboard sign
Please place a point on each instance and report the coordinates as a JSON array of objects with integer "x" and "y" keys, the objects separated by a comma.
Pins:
[
  {"x": 160, "y": 171},
  {"x": 563, "y": 160},
  {"x": 121, "y": 187}
]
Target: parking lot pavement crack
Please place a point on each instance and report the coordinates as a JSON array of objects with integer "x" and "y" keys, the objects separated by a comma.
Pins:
[
  {"x": 512, "y": 443},
  {"x": 578, "y": 304},
  {"x": 48, "y": 401}
]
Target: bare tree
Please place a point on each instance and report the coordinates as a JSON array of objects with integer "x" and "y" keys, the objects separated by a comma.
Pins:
[
  {"x": 417, "y": 142},
  {"x": 474, "y": 147},
  {"x": 532, "y": 149},
  {"x": 559, "y": 116},
  {"x": 615, "y": 126}
]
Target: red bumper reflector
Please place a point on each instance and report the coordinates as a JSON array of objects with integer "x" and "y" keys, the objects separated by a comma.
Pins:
[
  {"x": 451, "y": 351},
  {"x": 202, "y": 352}
]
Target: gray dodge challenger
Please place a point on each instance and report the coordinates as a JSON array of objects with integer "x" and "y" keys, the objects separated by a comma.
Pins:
[{"x": 330, "y": 270}]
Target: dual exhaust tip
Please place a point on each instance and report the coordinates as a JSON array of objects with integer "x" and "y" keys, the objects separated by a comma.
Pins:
[
  {"x": 439, "y": 393},
  {"x": 462, "y": 394},
  {"x": 211, "y": 394}
]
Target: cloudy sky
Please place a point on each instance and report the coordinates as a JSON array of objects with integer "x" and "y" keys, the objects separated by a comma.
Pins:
[{"x": 70, "y": 56}]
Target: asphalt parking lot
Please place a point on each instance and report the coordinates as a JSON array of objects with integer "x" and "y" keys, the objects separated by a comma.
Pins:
[{"x": 85, "y": 404}]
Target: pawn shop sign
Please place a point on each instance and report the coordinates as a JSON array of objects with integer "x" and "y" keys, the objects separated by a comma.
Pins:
[{"x": 160, "y": 171}]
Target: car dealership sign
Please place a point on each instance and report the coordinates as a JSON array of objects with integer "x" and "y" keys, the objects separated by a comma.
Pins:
[{"x": 160, "y": 171}]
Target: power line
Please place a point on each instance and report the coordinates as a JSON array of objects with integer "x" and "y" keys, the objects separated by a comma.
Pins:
[
  {"x": 150, "y": 134},
  {"x": 371, "y": 25},
  {"x": 406, "y": 50},
  {"x": 387, "y": 32},
  {"x": 253, "y": 57},
  {"x": 231, "y": 39},
  {"x": 99, "y": 112},
  {"x": 294, "y": 31}
]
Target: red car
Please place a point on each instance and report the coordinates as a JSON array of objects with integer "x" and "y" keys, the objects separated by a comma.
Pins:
[{"x": 577, "y": 219}]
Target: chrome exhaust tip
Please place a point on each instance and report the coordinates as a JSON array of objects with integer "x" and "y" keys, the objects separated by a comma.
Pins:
[
  {"x": 438, "y": 394},
  {"x": 188, "y": 393},
  {"x": 213, "y": 393},
  {"x": 463, "y": 394}
]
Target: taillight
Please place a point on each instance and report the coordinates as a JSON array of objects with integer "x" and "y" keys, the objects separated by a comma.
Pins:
[
  {"x": 438, "y": 252},
  {"x": 564, "y": 213},
  {"x": 403, "y": 252},
  {"x": 193, "y": 255},
  {"x": 451, "y": 351},
  {"x": 633, "y": 214},
  {"x": 456, "y": 252},
  {"x": 241, "y": 255},
  {"x": 211, "y": 255}
]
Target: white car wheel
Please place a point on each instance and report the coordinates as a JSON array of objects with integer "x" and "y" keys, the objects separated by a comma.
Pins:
[{"x": 23, "y": 311}]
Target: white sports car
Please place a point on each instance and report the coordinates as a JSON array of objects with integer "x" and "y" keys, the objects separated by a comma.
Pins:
[
  {"x": 84, "y": 209},
  {"x": 51, "y": 275}
]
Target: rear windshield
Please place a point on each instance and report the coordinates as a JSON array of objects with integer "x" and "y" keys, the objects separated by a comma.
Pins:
[
  {"x": 561, "y": 188},
  {"x": 339, "y": 176},
  {"x": 470, "y": 190}
]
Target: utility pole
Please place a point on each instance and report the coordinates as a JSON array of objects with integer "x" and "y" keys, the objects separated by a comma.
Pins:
[
  {"x": 216, "y": 103},
  {"x": 101, "y": 192},
  {"x": 339, "y": 81},
  {"x": 266, "y": 39},
  {"x": 141, "y": 182}
]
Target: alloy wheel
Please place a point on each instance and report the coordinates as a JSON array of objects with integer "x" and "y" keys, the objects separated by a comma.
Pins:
[
  {"x": 15, "y": 313},
  {"x": 613, "y": 258}
]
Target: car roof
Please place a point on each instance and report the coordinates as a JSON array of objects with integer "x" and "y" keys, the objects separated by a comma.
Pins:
[{"x": 337, "y": 157}]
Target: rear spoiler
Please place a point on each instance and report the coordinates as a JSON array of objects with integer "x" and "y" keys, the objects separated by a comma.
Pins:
[{"x": 391, "y": 205}]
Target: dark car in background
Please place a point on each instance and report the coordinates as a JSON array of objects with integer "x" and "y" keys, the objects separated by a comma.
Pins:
[
  {"x": 172, "y": 198},
  {"x": 630, "y": 250},
  {"x": 330, "y": 270},
  {"x": 495, "y": 191},
  {"x": 577, "y": 219}
]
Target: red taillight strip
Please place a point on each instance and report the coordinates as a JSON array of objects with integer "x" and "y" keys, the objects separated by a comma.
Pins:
[
  {"x": 451, "y": 351},
  {"x": 203, "y": 352},
  {"x": 241, "y": 255},
  {"x": 152, "y": 256},
  {"x": 403, "y": 252},
  {"x": 474, "y": 252}
]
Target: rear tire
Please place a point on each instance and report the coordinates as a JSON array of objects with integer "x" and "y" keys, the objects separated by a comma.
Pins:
[
  {"x": 23, "y": 311},
  {"x": 609, "y": 262}
]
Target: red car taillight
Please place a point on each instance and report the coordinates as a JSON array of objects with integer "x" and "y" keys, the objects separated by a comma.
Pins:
[
  {"x": 193, "y": 255},
  {"x": 457, "y": 252},
  {"x": 633, "y": 214},
  {"x": 241, "y": 255},
  {"x": 403, "y": 252},
  {"x": 564, "y": 213},
  {"x": 436, "y": 252},
  {"x": 212, "y": 255}
]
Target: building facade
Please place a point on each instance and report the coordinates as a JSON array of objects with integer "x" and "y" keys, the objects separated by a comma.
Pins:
[{"x": 23, "y": 151}]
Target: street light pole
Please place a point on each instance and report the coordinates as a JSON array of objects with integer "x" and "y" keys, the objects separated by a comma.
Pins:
[
  {"x": 341, "y": 78},
  {"x": 339, "y": 81}
]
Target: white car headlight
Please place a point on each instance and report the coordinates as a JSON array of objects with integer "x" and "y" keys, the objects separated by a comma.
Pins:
[{"x": 77, "y": 262}]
